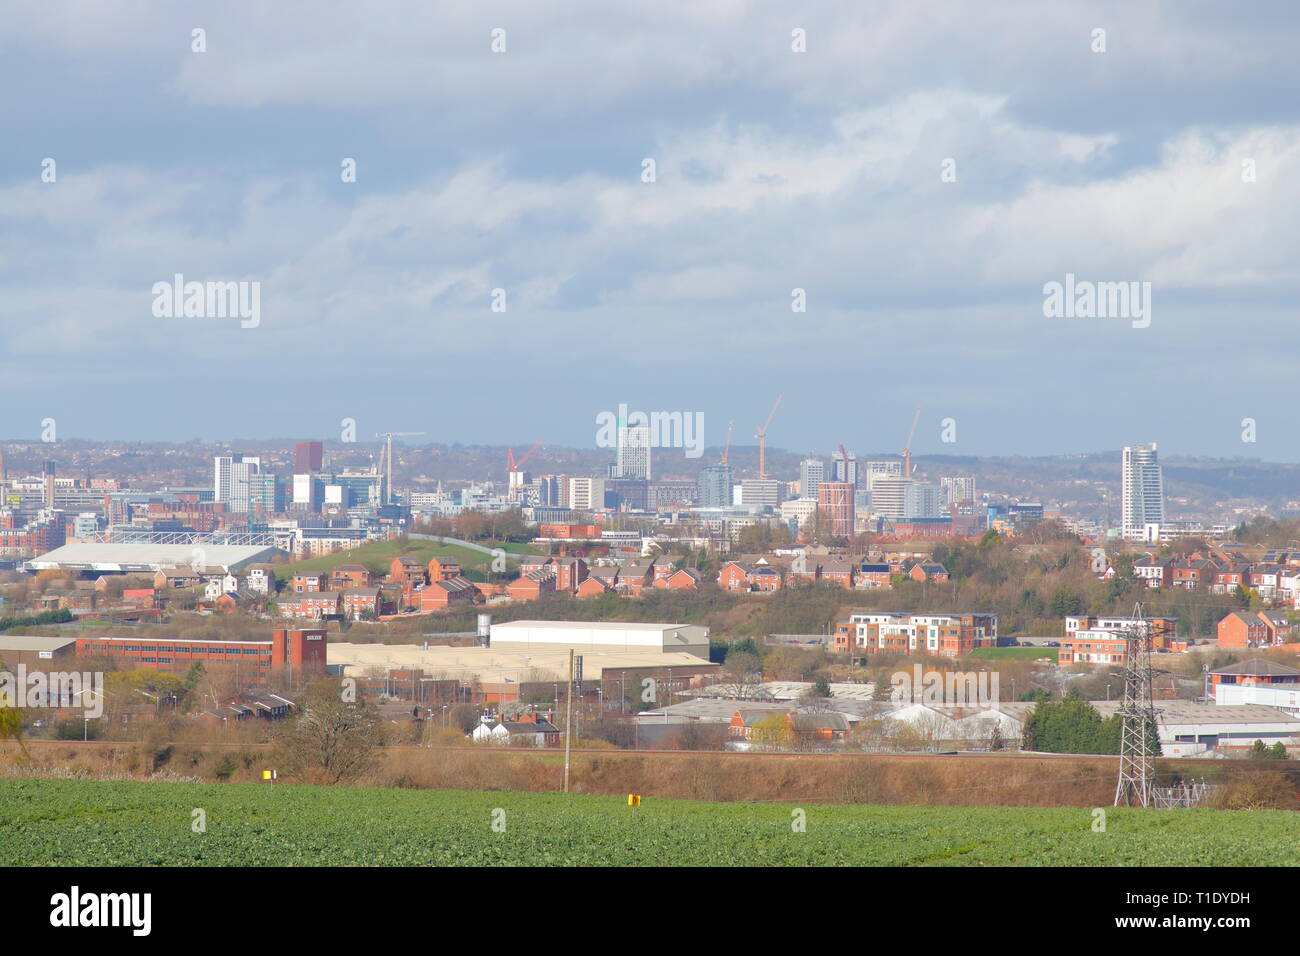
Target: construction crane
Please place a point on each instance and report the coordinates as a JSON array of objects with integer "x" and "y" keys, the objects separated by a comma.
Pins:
[
  {"x": 762, "y": 439},
  {"x": 512, "y": 465},
  {"x": 726, "y": 449},
  {"x": 907, "y": 449},
  {"x": 515, "y": 469},
  {"x": 387, "y": 469}
]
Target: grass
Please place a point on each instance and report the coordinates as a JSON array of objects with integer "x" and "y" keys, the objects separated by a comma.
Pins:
[
  {"x": 1017, "y": 653},
  {"x": 62, "y": 822},
  {"x": 379, "y": 555}
]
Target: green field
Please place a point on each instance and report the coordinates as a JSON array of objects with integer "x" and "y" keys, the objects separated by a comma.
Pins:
[
  {"x": 379, "y": 555},
  {"x": 1017, "y": 653},
  {"x": 49, "y": 822}
]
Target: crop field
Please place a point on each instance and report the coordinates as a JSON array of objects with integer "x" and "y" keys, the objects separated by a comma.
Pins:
[{"x": 60, "y": 822}]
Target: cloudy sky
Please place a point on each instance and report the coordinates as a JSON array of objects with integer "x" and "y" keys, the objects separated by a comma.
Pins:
[{"x": 1173, "y": 157}]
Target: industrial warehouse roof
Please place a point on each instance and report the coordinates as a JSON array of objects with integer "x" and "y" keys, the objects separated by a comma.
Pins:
[
  {"x": 1187, "y": 712},
  {"x": 584, "y": 636},
  {"x": 791, "y": 689},
  {"x": 1259, "y": 667},
  {"x": 26, "y": 642},
  {"x": 714, "y": 710},
  {"x": 592, "y": 625},
  {"x": 708, "y": 710},
  {"x": 143, "y": 556},
  {"x": 495, "y": 665}
]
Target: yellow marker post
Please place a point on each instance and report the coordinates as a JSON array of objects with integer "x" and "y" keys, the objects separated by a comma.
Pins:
[{"x": 634, "y": 799}]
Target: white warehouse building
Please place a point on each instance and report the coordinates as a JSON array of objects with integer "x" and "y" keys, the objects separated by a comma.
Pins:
[
  {"x": 1283, "y": 697},
  {"x": 602, "y": 636}
]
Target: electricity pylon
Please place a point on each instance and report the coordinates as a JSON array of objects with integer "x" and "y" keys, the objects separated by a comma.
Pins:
[{"x": 1138, "y": 718}]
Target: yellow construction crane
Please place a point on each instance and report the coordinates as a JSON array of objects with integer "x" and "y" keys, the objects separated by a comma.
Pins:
[
  {"x": 907, "y": 449},
  {"x": 727, "y": 447},
  {"x": 762, "y": 439}
]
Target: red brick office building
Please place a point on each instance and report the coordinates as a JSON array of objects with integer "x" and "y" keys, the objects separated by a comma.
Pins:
[{"x": 298, "y": 649}]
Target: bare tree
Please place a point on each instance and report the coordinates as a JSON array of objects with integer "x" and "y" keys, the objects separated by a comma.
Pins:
[
  {"x": 331, "y": 740},
  {"x": 741, "y": 674}
]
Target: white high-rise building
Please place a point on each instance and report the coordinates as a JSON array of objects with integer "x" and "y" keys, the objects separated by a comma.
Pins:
[
  {"x": 957, "y": 489},
  {"x": 801, "y": 511},
  {"x": 221, "y": 478},
  {"x": 240, "y": 473},
  {"x": 876, "y": 470},
  {"x": 812, "y": 472},
  {"x": 633, "y": 451},
  {"x": 844, "y": 466},
  {"x": 763, "y": 492},
  {"x": 889, "y": 496},
  {"x": 586, "y": 494},
  {"x": 229, "y": 473},
  {"x": 922, "y": 500},
  {"x": 1144, "y": 493}
]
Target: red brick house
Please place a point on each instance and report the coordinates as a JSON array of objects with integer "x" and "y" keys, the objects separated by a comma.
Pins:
[
  {"x": 145, "y": 597},
  {"x": 312, "y": 604},
  {"x": 532, "y": 586},
  {"x": 1257, "y": 629},
  {"x": 841, "y": 571},
  {"x": 734, "y": 576},
  {"x": 569, "y": 573},
  {"x": 1226, "y": 580},
  {"x": 444, "y": 569},
  {"x": 358, "y": 601},
  {"x": 1193, "y": 573},
  {"x": 743, "y": 721},
  {"x": 636, "y": 576},
  {"x": 874, "y": 575},
  {"x": 594, "y": 587},
  {"x": 928, "y": 572},
  {"x": 804, "y": 729},
  {"x": 408, "y": 571},
  {"x": 438, "y": 595},
  {"x": 351, "y": 576},
  {"x": 305, "y": 582},
  {"x": 1260, "y": 671},
  {"x": 818, "y": 728},
  {"x": 738, "y": 576},
  {"x": 683, "y": 579}
]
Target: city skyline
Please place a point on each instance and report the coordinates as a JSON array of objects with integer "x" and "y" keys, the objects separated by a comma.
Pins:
[{"x": 524, "y": 236}]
